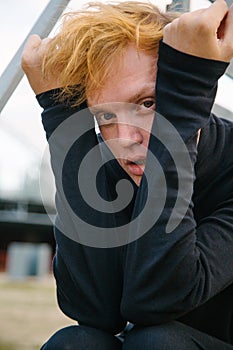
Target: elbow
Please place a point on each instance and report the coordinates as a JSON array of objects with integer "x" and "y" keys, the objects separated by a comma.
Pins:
[
  {"x": 110, "y": 326},
  {"x": 105, "y": 319},
  {"x": 166, "y": 299},
  {"x": 161, "y": 306},
  {"x": 143, "y": 313},
  {"x": 150, "y": 314}
]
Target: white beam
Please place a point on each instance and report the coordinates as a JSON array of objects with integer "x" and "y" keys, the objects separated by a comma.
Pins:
[{"x": 13, "y": 73}]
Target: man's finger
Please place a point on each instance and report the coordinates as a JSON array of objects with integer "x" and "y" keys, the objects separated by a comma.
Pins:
[
  {"x": 216, "y": 12},
  {"x": 33, "y": 42},
  {"x": 228, "y": 30}
]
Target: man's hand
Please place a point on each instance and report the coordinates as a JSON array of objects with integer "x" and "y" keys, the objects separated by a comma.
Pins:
[
  {"x": 31, "y": 62},
  {"x": 206, "y": 33}
]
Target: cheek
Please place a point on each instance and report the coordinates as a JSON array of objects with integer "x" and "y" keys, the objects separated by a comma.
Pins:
[
  {"x": 107, "y": 133},
  {"x": 146, "y": 130},
  {"x": 146, "y": 138}
]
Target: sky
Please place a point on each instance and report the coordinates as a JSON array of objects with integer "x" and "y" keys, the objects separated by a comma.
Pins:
[{"x": 22, "y": 139}]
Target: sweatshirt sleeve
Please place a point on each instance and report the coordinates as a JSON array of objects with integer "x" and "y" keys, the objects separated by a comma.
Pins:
[
  {"x": 88, "y": 279},
  {"x": 176, "y": 264}
]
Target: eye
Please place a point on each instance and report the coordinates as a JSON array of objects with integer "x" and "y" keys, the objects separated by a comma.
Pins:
[
  {"x": 105, "y": 118},
  {"x": 148, "y": 104},
  {"x": 108, "y": 116}
]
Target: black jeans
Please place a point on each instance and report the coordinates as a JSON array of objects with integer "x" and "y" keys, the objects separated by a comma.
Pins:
[{"x": 170, "y": 336}]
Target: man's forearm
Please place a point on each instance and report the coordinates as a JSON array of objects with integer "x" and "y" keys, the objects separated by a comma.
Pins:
[{"x": 169, "y": 273}]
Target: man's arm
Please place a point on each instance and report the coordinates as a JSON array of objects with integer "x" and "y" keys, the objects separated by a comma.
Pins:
[
  {"x": 168, "y": 273},
  {"x": 89, "y": 280},
  {"x": 205, "y": 33},
  {"x": 32, "y": 62}
]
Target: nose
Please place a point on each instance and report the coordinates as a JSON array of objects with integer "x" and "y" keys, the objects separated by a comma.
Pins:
[{"x": 129, "y": 135}]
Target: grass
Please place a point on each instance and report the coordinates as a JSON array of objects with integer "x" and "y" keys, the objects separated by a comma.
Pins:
[
  {"x": 29, "y": 314},
  {"x": 4, "y": 346}
]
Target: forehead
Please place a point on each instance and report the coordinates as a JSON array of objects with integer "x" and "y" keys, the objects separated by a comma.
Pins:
[{"x": 131, "y": 76}]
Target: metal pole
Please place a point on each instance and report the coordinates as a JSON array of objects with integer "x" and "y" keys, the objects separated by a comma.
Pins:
[
  {"x": 13, "y": 73},
  {"x": 229, "y": 2},
  {"x": 179, "y": 6}
]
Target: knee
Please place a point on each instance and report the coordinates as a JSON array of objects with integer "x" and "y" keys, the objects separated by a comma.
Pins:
[
  {"x": 82, "y": 338},
  {"x": 162, "y": 337},
  {"x": 61, "y": 340}
]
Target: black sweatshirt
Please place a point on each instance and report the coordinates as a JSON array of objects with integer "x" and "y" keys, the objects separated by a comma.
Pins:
[{"x": 182, "y": 267}]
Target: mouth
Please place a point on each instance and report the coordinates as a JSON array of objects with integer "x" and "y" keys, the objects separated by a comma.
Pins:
[
  {"x": 135, "y": 166},
  {"x": 138, "y": 162}
]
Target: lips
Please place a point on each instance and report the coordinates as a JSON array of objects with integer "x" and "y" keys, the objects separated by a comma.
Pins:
[
  {"x": 135, "y": 166},
  {"x": 139, "y": 162}
]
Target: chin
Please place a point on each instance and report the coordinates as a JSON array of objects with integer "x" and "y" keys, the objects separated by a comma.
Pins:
[{"x": 137, "y": 179}]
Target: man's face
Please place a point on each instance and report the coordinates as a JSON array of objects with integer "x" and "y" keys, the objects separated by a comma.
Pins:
[{"x": 124, "y": 109}]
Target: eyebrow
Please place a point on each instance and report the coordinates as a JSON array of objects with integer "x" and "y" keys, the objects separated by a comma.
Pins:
[
  {"x": 95, "y": 110},
  {"x": 146, "y": 89}
]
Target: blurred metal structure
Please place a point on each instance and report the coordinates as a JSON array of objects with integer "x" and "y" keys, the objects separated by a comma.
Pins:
[
  {"x": 184, "y": 5},
  {"x": 229, "y": 2},
  {"x": 230, "y": 68},
  {"x": 179, "y": 5},
  {"x": 13, "y": 73},
  {"x": 222, "y": 112}
]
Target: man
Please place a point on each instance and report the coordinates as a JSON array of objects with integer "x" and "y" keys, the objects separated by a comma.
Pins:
[{"x": 169, "y": 275}]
